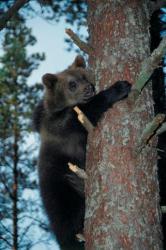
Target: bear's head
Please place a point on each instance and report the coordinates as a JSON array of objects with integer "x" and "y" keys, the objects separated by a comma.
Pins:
[{"x": 70, "y": 87}]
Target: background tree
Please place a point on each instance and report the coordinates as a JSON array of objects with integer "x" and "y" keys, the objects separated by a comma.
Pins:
[{"x": 17, "y": 172}]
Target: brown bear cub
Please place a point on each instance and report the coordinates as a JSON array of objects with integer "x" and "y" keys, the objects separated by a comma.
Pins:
[{"x": 63, "y": 140}]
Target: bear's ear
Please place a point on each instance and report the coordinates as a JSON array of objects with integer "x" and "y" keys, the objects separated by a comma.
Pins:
[
  {"x": 49, "y": 80},
  {"x": 79, "y": 62}
]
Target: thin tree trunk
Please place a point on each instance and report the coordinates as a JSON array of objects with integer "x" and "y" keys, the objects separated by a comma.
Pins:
[
  {"x": 15, "y": 176},
  {"x": 15, "y": 196},
  {"x": 122, "y": 188}
]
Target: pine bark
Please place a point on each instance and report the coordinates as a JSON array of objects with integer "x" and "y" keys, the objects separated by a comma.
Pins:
[{"x": 122, "y": 204}]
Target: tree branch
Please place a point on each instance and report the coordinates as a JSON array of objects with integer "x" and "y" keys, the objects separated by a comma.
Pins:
[
  {"x": 25, "y": 232},
  {"x": 7, "y": 231},
  {"x": 4, "y": 239},
  {"x": 149, "y": 131},
  {"x": 80, "y": 237},
  {"x": 83, "y": 119},
  {"x": 6, "y": 16},
  {"x": 147, "y": 69},
  {"x": 78, "y": 171},
  {"x": 82, "y": 45},
  {"x": 3, "y": 180},
  {"x": 39, "y": 222},
  {"x": 163, "y": 209},
  {"x": 162, "y": 129}
]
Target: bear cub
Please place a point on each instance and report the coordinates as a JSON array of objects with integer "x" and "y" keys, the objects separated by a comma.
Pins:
[{"x": 63, "y": 140}]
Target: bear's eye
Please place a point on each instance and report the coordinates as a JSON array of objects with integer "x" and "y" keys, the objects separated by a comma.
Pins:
[{"x": 72, "y": 85}]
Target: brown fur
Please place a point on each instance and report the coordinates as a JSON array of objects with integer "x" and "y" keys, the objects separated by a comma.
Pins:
[{"x": 63, "y": 140}]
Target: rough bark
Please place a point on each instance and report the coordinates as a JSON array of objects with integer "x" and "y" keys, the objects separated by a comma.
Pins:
[{"x": 122, "y": 187}]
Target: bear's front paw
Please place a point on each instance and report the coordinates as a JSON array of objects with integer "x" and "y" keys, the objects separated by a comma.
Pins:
[{"x": 123, "y": 89}]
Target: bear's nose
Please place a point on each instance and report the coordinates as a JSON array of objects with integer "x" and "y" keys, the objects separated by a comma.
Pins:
[{"x": 89, "y": 90}]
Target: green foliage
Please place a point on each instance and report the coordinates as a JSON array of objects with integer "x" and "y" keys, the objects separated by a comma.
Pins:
[{"x": 16, "y": 96}]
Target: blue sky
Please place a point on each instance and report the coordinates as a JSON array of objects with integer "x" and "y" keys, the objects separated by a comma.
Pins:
[{"x": 50, "y": 39}]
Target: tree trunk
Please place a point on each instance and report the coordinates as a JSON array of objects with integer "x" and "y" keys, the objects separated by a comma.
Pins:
[
  {"x": 15, "y": 179},
  {"x": 15, "y": 200},
  {"x": 122, "y": 188}
]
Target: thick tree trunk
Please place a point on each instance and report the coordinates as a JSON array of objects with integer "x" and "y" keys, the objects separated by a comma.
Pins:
[{"x": 122, "y": 188}]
